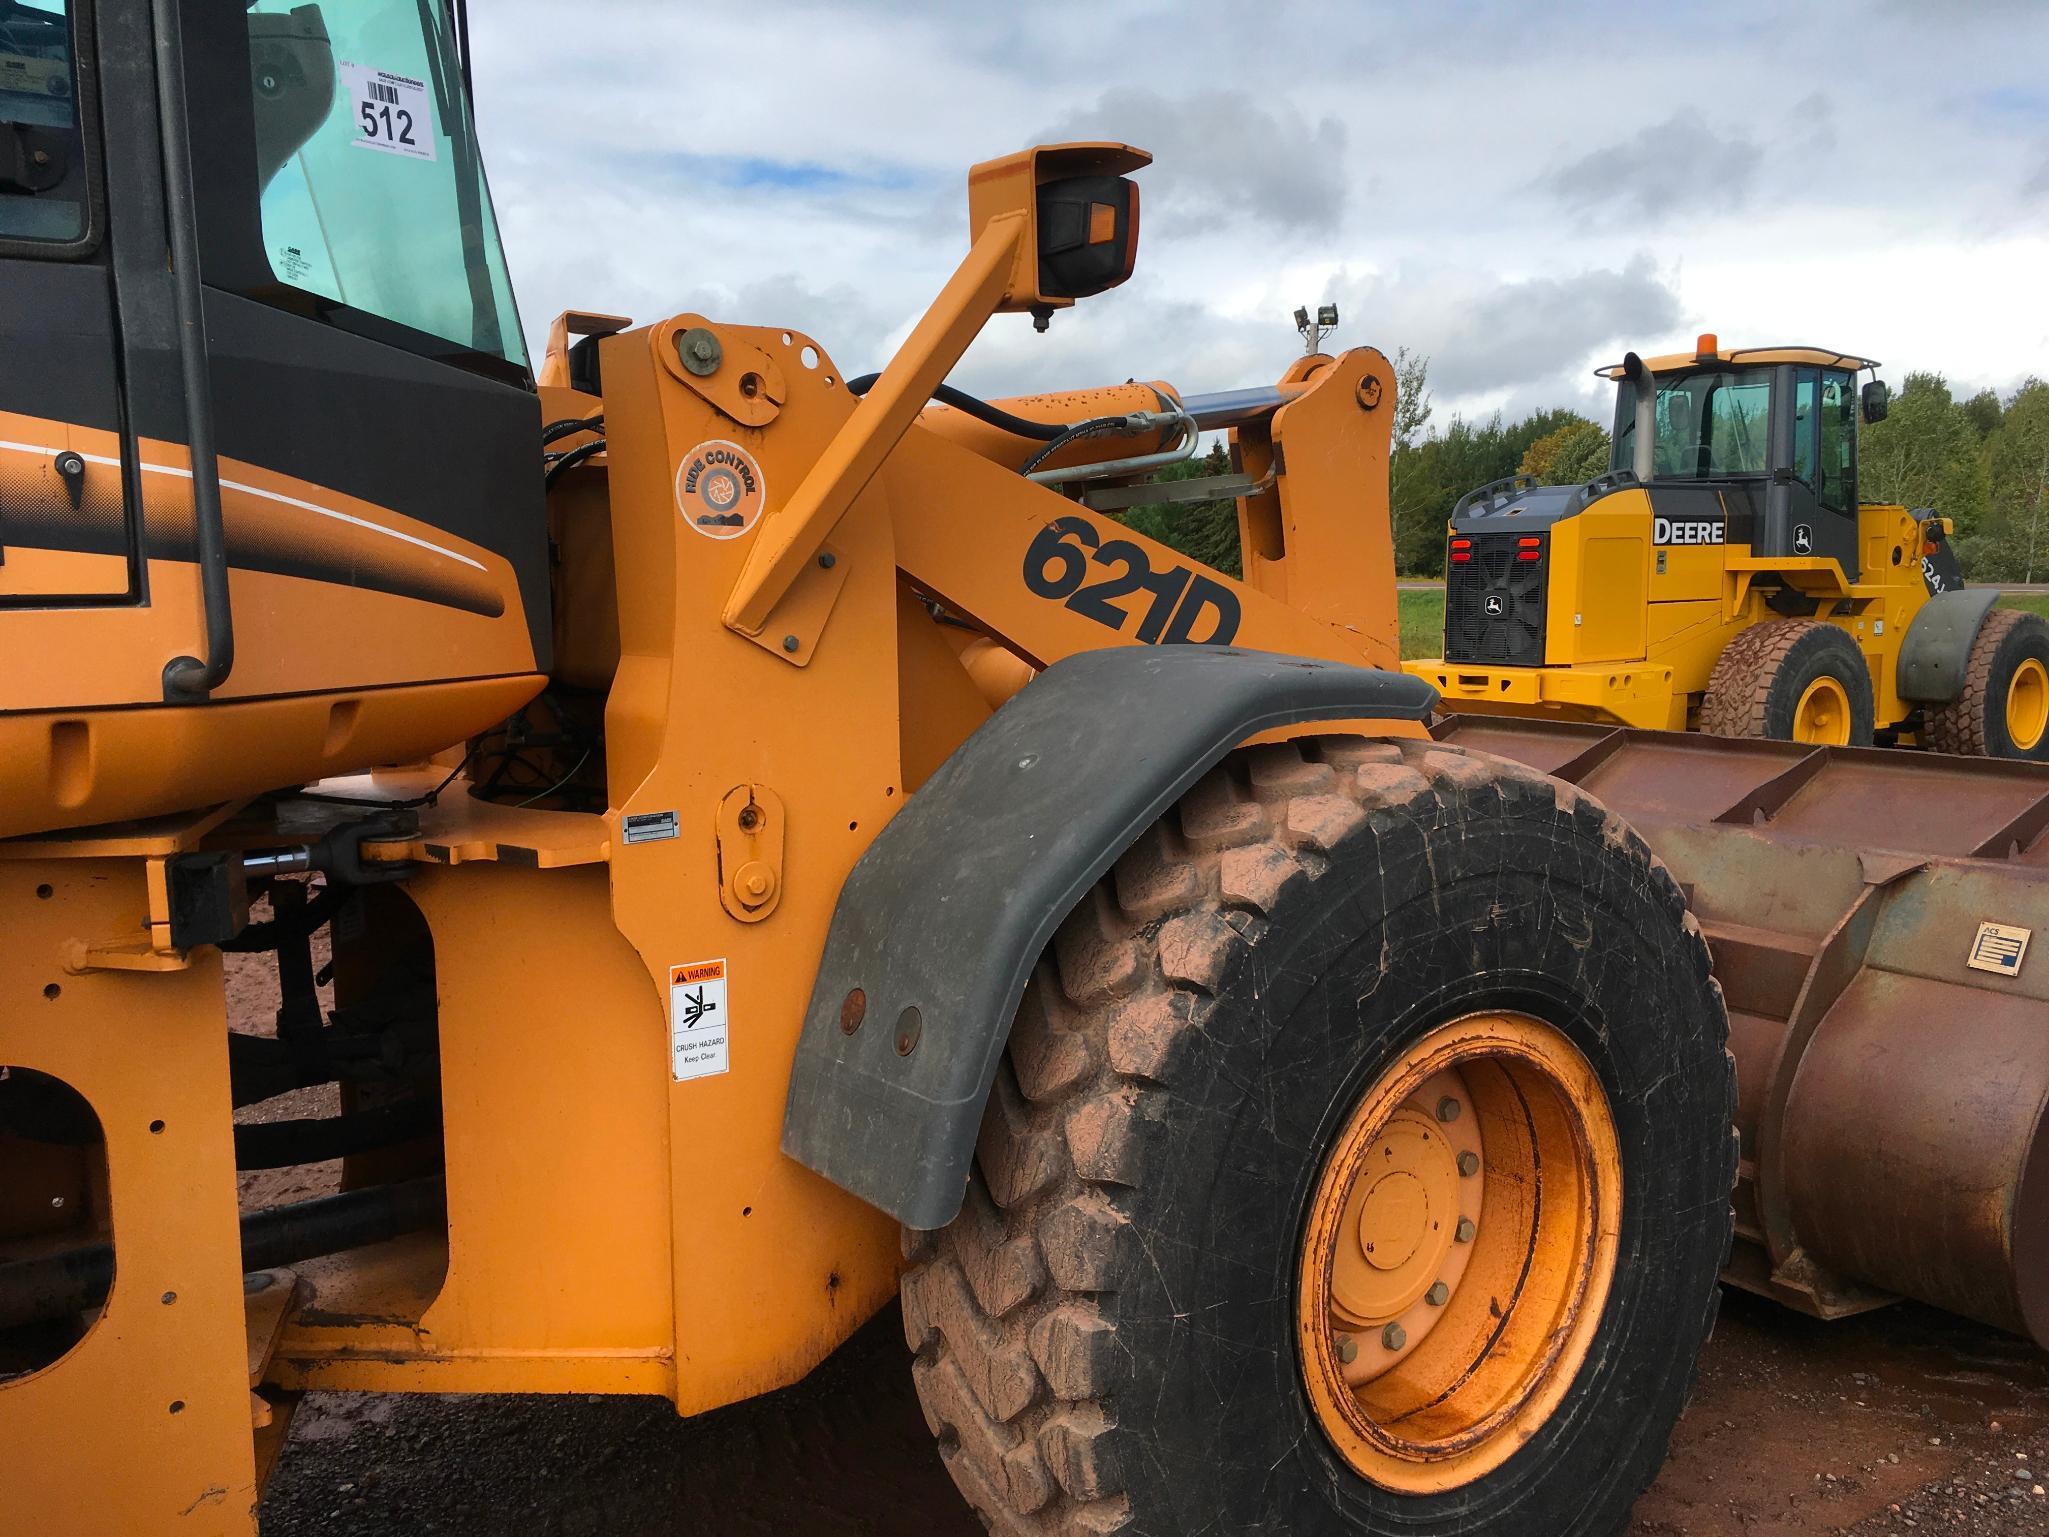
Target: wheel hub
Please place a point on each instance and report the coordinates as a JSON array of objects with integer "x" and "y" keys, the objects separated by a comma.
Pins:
[
  {"x": 2027, "y": 705},
  {"x": 1823, "y": 714},
  {"x": 1459, "y": 1246},
  {"x": 1404, "y": 1216}
]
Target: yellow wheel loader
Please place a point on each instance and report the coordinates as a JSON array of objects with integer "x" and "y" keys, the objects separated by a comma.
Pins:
[
  {"x": 739, "y": 844},
  {"x": 1724, "y": 576}
]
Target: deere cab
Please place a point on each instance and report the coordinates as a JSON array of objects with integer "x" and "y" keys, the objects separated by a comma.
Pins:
[{"x": 1724, "y": 575}]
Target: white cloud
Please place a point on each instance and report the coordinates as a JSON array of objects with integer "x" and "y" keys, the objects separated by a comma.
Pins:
[{"x": 1517, "y": 191}]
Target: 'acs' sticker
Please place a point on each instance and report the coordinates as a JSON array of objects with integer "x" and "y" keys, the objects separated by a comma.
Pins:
[{"x": 719, "y": 490}]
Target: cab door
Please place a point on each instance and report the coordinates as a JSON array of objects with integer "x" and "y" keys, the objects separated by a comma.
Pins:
[{"x": 67, "y": 536}]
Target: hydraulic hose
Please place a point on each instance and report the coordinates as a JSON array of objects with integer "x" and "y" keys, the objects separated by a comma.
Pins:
[{"x": 980, "y": 410}]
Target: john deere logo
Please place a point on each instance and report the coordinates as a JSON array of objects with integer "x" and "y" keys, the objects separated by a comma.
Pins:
[
  {"x": 1803, "y": 539},
  {"x": 719, "y": 490},
  {"x": 1494, "y": 606}
]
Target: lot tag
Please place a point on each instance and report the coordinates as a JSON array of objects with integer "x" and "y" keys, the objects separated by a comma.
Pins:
[
  {"x": 392, "y": 112},
  {"x": 697, "y": 1020}
]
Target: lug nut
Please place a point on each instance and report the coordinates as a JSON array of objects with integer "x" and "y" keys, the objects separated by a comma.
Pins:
[
  {"x": 1465, "y": 1230},
  {"x": 1394, "y": 1336},
  {"x": 1469, "y": 1163},
  {"x": 1438, "y": 1295},
  {"x": 1348, "y": 1349},
  {"x": 1447, "y": 1109}
]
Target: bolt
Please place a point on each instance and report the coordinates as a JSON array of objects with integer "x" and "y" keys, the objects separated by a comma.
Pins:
[
  {"x": 750, "y": 818},
  {"x": 1394, "y": 1336},
  {"x": 169, "y": 1298},
  {"x": 827, "y": 561},
  {"x": 1447, "y": 1109},
  {"x": 41, "y": 157},
  {"x": 1465, "y": 1230},
  {"x": 852, "y": 1011},
  {"x": 699, "y": 351},
  {"x": 790, "y": 643},
  {"x": 909, "y": 1026},
  {"x": 1469, "y": 1163},
  {"x": 755, "y": 882},
  {"x": 1348, "y": 1349},
  {"x": 1369, "y": 392},
  {"x": 56, "y": 1203},
  {"x": 1438, "y": 1295}
]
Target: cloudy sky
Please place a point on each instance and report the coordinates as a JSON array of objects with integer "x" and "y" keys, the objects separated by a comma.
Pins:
[{"x": 1517, "y": 191}]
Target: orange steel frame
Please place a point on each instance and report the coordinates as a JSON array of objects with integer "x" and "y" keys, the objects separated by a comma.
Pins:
[{"x": 609, "y": 1229}]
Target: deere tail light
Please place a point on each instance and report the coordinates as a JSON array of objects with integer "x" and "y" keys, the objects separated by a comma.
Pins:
[
  {"x": 1461, "y": 551},
  {"x": 1529, "y": 547}
]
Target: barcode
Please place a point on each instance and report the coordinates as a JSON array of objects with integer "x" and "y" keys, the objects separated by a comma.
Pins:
[{"x": 379, "y": 91}]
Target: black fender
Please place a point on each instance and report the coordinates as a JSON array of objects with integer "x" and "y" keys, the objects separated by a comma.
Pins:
[
  {"x": 941, "y": 921},
  {"x": 1937, "y": 649}
]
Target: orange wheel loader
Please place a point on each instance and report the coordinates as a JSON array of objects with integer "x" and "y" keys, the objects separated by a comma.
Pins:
[{"x": 734, "y": 845}]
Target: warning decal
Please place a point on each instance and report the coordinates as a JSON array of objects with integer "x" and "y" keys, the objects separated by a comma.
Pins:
[
  {"x": 697, "y": 1020},
  {"x": 719, "y": 490}
]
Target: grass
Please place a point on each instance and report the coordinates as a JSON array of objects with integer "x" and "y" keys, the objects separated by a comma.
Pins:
[{"x": 1422, "y": 613}]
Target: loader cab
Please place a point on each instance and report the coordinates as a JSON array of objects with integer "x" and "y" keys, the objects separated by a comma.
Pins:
[
  {"x": 343, "y": 334},
  {"x": 1760, "y": 441}
]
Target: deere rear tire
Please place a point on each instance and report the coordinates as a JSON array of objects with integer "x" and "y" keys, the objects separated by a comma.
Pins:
[
  {"x": 1363, "y": 1037},
  {"x": 2003, "y": 711},
  {"x": 1792, "y": 680}
]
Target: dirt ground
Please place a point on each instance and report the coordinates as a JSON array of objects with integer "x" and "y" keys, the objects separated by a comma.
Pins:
[{"x": 1903, "y": 1420}]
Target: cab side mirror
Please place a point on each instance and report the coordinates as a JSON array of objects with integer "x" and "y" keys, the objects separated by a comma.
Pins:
[
  {"x": 1875, "y": 401},
  {"x": 1079, "y": 213}
]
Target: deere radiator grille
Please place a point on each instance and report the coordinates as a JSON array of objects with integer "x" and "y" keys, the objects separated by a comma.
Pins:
[{"x": 1494, "y": 599}]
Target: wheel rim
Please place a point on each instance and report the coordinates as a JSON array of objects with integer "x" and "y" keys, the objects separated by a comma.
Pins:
[
  {"x": 1484, "y": 1172},
  {"x": 1823, "y": 714},
  {"x": 2027, "y": 705}
]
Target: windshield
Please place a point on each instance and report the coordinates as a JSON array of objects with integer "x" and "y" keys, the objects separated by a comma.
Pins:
[
  {"x": 1711, "y": 424},
  {"x": 372, "y": 192}
]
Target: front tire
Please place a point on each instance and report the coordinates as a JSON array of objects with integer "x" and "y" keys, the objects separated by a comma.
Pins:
[
  {"x": 1792, "y": 680},
  {"x": 1130, "y": 1327},
  {"x": 2003, "y": 711}
]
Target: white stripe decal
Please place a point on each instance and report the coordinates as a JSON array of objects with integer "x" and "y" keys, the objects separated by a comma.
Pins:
[{"x": 268, "y": 496}]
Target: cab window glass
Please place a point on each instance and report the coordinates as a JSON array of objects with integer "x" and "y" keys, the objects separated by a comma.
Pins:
[
  {"x": 1806, "y": 386},
  {"x": 348, "y": 181},
  {"x": 42, "y": 173},
  {"x": 1838, "y": 484},
  {"x": 1711, "y": 424}
]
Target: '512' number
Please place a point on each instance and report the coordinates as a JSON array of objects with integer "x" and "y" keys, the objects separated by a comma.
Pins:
[{"x": 1181, "y": 597}]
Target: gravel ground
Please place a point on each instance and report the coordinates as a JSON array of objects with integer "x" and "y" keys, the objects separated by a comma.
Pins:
[{"x": 1901, "y": 1421}]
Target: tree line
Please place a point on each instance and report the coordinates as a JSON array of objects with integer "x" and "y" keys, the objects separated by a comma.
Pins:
[{"x": 1983, "y": 462}]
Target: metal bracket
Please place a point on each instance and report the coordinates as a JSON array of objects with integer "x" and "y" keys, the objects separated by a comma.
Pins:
[
  {"x": 795, "y": 624},
  {"x": 750, "y": 829},
  {"x": 743, "y": 382}
]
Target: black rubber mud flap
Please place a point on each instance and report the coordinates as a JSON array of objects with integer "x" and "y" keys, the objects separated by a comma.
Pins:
[
  {"x": 1937, "y": 650},
  {"x": 939, "y": 924}
]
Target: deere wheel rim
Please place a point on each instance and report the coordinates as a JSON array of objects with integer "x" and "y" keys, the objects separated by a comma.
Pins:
[
  {"x": 2027, "y": 705},
  {"x": 1459, "y": 1249},
  {"x": 1823, "y": 714}
]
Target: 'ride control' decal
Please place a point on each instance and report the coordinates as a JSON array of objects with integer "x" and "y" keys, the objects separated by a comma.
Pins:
[{"x": 719, "y": 490}]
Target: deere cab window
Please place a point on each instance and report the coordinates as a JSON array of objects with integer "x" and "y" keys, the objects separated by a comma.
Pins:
[
  {"x": 42, "y": 170},
  {"x": 1711, "y": 425},
  {"x": 338, "y": 172},
  {"x": 1837, "y": 486}
]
